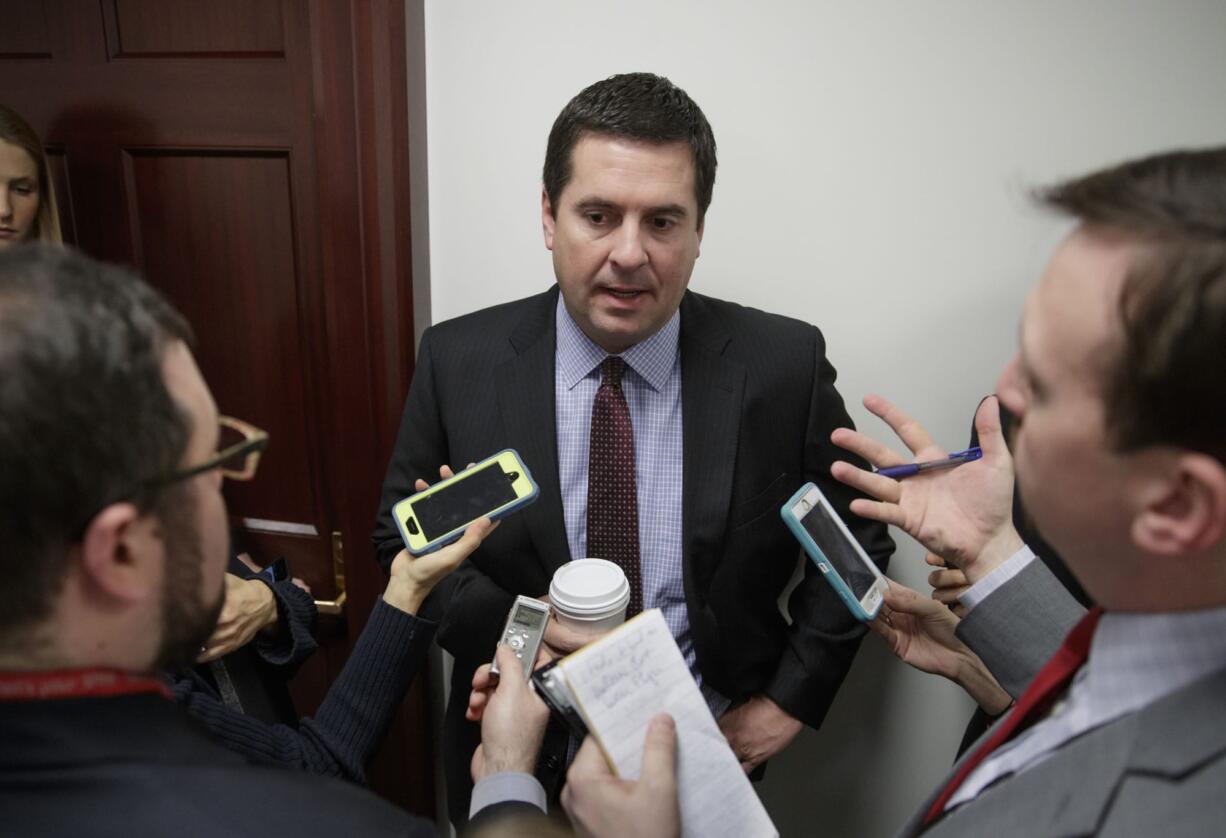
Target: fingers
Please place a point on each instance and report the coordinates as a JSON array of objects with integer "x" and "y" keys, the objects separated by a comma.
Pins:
[
  {"x": 870, "y": 449},
  {"x": 883, "y": 624},
  {"x": 589, "y": 762},
  {"x": 947, "y": 578},
  {"x": 987, "y": 424},
  {"x": 509, "y": 663},
  {"x": 484, "y": 677},
  {"x": 912, "y": 433},
  {"x": 883, "y": 488},
  {"x": 935, "y": 560},
  {"x": 904, "y": 600},
  {"x": 948, "y": 596},
  {"x": 420, "y": 485},
  {"x": 660, "y": 751},
  {"x": 484, "y": 682},
  {"x": 886, "y": 513},
  {"x": 444, "y": 471}
]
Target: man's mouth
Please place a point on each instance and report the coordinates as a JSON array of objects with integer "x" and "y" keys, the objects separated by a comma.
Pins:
[{"x": 624, "y": 294}]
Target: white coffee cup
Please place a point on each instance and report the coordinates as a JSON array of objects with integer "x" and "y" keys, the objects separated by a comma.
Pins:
[{"x": 590, "y": 595}]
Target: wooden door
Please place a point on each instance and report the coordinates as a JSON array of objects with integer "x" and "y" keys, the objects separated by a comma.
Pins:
[{"x": 250, "y": 157}]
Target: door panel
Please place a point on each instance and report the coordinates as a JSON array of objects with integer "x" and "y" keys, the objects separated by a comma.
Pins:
[
  {"x": 249, "y": 156},
  {"x": 181, "y": 28}
]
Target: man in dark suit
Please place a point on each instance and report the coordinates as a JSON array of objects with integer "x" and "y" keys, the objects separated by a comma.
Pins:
[
  {"x": 113, "y": 548},
  {"x": 727, "y": 412}
]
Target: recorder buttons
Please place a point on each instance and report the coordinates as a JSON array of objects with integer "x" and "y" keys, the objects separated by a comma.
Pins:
[
  {"x": 822, "y": 567},
  {"x": 516, "y": 643}
]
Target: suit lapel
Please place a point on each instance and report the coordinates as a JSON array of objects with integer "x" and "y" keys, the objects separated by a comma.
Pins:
[
  {"x": 526, "y": 403},
  {"x": 1070, "y": 793},
  {"x": 712, "y": 388}
]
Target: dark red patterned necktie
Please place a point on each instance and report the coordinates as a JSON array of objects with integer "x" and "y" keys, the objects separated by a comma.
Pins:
[
  {"x": 1054, "y": 677},
  {"x": 612, "y": 496}
]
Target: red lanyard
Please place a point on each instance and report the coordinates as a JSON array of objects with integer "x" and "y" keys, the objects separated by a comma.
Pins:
[{"x": 76, "y": 683}]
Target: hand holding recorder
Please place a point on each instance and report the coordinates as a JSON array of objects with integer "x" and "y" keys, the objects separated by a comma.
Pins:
[{"x": 962, "y": 514}]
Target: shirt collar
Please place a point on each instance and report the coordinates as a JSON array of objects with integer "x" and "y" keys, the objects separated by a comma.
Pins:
[
  {"x": 578, "y": 355},
  {"x": 1135, "y": 659}
]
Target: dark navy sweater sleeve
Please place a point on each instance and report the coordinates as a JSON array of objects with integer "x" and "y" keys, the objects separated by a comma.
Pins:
[{"x": 354, "y": 716}]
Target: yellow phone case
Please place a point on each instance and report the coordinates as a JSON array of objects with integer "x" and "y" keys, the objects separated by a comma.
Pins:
[{"x": 414, "y": 533}]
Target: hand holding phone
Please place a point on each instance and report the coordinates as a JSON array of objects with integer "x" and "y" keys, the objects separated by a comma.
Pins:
[
  {"x": 493, "y": 488},
  {"x": 838, "y": 556}
]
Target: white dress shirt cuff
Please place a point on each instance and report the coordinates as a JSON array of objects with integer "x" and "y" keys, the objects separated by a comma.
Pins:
[
  {"x": 1001, "y": 574},
  {"x": 505, "y": 786}
]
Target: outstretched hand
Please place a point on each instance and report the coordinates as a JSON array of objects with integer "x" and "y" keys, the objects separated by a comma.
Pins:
[{"x": 962, "y": 514}]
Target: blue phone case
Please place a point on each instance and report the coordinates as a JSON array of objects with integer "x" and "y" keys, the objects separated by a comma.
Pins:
[
  {"x": 494, "y": 515},
  {"x": 819, "y": 558}
]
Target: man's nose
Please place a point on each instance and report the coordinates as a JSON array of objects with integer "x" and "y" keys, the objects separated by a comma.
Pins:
[{"x": 628, "y": 252}]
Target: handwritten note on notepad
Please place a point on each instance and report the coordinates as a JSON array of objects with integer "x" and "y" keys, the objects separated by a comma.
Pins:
[{"x": 636, "y": 672}]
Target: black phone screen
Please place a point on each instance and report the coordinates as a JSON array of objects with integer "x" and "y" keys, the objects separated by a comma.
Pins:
[
  {"x": 821, "y": 526},
  {"x": 481, "y": 492}
]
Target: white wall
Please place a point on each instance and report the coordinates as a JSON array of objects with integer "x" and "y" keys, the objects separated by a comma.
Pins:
[{"x": 874, "y": 159}]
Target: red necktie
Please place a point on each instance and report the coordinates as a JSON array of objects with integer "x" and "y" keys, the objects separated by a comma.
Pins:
[
  {"x": 612, "y": 496},
  {"x": 1054, "y": 677}
]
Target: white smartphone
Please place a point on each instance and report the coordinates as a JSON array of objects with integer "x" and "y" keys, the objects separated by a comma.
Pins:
[{"x": 835, "y": 551}]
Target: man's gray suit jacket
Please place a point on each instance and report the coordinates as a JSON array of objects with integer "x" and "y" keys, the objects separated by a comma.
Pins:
[{"x": 1160, "y": 771}]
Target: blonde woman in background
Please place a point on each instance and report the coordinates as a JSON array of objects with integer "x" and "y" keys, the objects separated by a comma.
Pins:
[{"x": 27, "y": 200}]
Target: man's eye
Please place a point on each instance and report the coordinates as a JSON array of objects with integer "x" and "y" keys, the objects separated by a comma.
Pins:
[
  {"x": 663, "y": 223},
  {"x": 596, "y": 217}
]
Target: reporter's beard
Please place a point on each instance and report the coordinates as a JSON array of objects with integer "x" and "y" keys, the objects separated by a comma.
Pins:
[{"x": 187, "y": 620}]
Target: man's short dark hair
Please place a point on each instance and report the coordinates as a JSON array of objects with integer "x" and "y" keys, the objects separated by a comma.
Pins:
[
  {"x": 1166, "y": 385},
  {"x": 85, "y": 416},
  {"x": 635, "y": 106}
]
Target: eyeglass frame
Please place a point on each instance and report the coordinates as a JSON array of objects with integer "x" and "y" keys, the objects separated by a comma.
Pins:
[{"x": 252, "y": 446}]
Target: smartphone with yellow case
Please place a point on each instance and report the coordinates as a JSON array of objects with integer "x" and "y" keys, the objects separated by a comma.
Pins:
[{"x": 494, "y": 488}]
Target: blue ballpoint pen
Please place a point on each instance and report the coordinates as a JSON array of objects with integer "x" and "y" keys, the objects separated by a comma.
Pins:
[{"x": 967, "y": 456}]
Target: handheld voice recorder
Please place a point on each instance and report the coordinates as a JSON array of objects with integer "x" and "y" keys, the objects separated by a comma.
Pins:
[{"x": 524, "y": 631}]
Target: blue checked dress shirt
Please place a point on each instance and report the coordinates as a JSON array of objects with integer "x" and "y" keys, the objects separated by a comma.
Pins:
[{"x": 652, "y": 385}]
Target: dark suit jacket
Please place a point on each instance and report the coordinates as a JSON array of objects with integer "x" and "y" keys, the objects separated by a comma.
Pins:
[
  {"x": 759, "y": 404},
  {"x": 134, "y": 765},
  {"x": 1157, "y": 771}
]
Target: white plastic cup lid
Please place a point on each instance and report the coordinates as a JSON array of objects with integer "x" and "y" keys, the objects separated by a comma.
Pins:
[{"x": 589, "y": 588}]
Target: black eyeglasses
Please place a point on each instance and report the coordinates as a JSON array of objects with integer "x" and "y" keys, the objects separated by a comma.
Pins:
[
  {"x": 237, "y": 459},
  {"x": 241, "y": 445}
]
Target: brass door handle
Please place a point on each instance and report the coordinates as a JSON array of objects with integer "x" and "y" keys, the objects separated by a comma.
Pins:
[{"x": 335, "y": 607}]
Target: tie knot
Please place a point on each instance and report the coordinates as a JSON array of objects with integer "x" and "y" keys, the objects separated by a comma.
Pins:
[{"x": 611, "y": 370}]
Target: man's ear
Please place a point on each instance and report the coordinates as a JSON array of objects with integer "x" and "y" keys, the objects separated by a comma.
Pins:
[
  {"x": 547, "y": 219},
  {"x": 1188, "y": 513},
  {"x": 701, "y": 226},
  {"x": 122, "y": 553}
]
